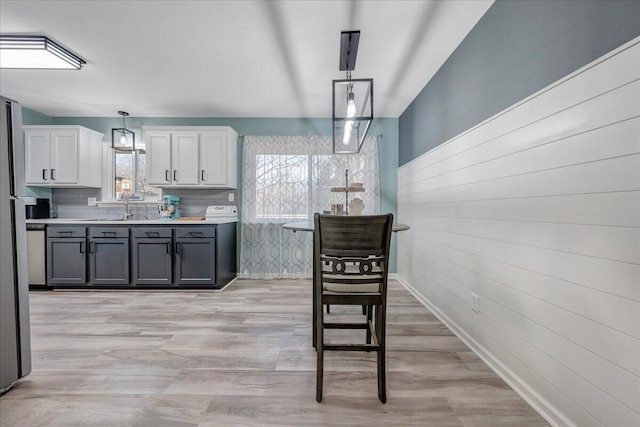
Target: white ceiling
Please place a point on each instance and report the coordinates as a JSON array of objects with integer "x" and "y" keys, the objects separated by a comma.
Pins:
[{"x": 230, "y": 58}]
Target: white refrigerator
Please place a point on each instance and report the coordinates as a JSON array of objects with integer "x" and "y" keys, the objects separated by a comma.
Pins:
[{"x": 15, "y": 336}]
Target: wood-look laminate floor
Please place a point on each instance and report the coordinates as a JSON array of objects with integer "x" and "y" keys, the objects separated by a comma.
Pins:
[{"x": 243, "y": 357}]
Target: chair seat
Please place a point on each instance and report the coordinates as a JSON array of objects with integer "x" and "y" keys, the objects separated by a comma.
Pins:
[{"x": 352, "y": 288}]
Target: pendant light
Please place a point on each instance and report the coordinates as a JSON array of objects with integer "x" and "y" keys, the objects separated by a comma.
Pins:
[
  {"x": 352, "y": 111},
  {"x": 123, "y": 139}
]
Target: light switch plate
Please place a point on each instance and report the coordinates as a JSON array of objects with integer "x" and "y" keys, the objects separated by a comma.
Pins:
[
  {"x": 91, "y": 201},
  {"x": 231, "y": 197}
]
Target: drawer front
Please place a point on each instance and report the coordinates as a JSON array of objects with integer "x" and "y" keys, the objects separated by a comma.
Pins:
[
  {"x": 151, "y": 232},
  {"x": 196, "y": 232},
  {"x": 109, "y": 232},
  {"x": 66, "y": 231}
]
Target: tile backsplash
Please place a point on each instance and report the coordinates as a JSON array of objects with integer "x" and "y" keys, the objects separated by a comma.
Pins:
[{"x": 72, "y": 203}]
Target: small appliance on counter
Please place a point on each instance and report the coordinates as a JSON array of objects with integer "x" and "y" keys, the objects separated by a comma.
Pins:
[
  {"x": 170, "y": 209},
  {"x": 222, "y": 213},
  {"x": 36, "y": 208}
]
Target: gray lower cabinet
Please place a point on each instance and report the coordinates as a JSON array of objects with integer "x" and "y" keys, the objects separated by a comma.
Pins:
[
  {"x": 134, "y": 255},
  {"x": 152, "y": 257},
  {"x": 66, "y": 256},
  {"x": 109, "y": 256},
  {"x": 195, "y": 249}
]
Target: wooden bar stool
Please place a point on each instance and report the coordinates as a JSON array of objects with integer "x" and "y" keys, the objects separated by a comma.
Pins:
[{"x": 350, "y": 258}]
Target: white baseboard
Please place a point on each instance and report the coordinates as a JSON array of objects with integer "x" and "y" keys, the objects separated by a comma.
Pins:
[{"x": 540, "y": 405}]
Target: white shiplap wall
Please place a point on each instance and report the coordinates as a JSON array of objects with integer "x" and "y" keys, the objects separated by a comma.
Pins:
[{"x": 537, "y": 211}]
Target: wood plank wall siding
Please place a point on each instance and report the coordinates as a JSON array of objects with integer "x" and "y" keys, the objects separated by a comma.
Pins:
[{"x": 537, "y": 211}]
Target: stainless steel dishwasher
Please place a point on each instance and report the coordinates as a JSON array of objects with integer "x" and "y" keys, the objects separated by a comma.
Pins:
[{"x": 36, "y": 255}]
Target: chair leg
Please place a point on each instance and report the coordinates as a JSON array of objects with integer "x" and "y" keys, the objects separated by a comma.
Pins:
[
  {"x": 381, "y": 334},
  {"x": 314, "y": 308},
  {"x": 328, "y": 309},
  {"x": 382, "y": 383},
  {"x": 364, "y": 309},
  {"x": 319, "y": 352},
  {"x": 369, "y": 313}
]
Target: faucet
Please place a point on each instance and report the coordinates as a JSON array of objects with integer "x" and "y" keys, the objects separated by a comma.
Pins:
[{"x": 127, "y": 214}]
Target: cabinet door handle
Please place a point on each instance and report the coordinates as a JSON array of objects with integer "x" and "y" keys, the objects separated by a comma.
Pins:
[
  {"x": 53, "y": 176},
  {"x": 196, "y": 234},
  {"x": 202, "y": 176},
  {"x": 109, "y": 233},
  {"x": 175, "y": 175},
  {"x": 81, "y": 247},
  {"x": 166, "y": 175},
  {"x": 177, "y": 247},
  {"x": 44, "y": 174},
  {"x": 152, "y": 233},
  {"x": 92, "y": 247},
  {"x": 66, "y": 232},
  {"x": 168, "y": 247}
]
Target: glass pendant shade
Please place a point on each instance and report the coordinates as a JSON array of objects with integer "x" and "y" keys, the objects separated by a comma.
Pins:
[
  {"x": 352, "y": 114},
  {"x": 123, "y": 139}
]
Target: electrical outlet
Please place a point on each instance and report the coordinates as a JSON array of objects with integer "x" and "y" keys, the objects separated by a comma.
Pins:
[
  {"x": 475, "y": 303},
  {"x": 91, "y": 201},
  {"x": 231, "y": 197}
]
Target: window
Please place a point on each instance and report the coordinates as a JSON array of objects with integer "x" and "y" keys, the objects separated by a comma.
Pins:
[
  {"x": 282, "y": 186},
  {"x": 129, "y": 176},
  {"x": 287, "y": 178}
]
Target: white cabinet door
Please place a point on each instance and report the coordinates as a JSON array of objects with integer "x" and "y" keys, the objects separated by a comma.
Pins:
[
  {"x": 64, "y": 156},
  {"x": 158, "y": 157},
  {"x": 185, "y": 158},
  {"x": 214, "y": 167},
  {"x": 37, "y": 157}
]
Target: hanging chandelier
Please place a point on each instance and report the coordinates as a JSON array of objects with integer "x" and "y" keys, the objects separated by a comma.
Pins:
[
  {"x": 123, "y": 139},
  {"x": 352, "y": 111}
]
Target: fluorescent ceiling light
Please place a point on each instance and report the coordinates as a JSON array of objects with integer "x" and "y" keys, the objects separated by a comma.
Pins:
[{"x": 38, "y": 52}]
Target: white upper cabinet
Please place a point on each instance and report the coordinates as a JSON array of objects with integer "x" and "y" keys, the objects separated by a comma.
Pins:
[
  {"x": 191, "y": 157},
  {"x": 184, "y": 157},
  {"x": 218, "y": 159},
  {"x": 37, "y": 147},
  {"x": 158, "y": 157},
  {"x": 63, "y": 156}
]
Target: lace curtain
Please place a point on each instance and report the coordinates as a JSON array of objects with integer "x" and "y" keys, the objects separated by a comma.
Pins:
[{"x": 288, "y": 179}]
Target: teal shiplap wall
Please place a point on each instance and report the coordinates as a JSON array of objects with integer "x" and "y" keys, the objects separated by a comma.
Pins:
[{"x": 386, "y": 128}]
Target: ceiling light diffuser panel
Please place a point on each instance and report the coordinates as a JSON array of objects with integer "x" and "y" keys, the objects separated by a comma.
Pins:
[{"x": 36, "y": 52}]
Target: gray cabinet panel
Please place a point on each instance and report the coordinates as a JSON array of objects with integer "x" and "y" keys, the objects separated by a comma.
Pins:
[
  {"x": 66, "y": 261},
  {"x": 151, "y": 232},
  {"x": 71, "y": 231},
  {"x": 226, "y": 254},
  {"x": 109, "y": 232},
  {"x": 195, "y": 261},
  {"x": 161, "y": 256},
  {"x": 195, "y": 232},
  {"x": 152, "y": 261},
  {"x": 109, "y": 261}
]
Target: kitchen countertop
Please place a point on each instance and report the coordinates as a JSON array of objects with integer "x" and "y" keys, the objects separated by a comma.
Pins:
[{"x": 82, "y": 221}]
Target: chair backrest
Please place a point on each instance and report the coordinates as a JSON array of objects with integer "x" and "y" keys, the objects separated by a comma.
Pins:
[{"x": 353, "y": 249}]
